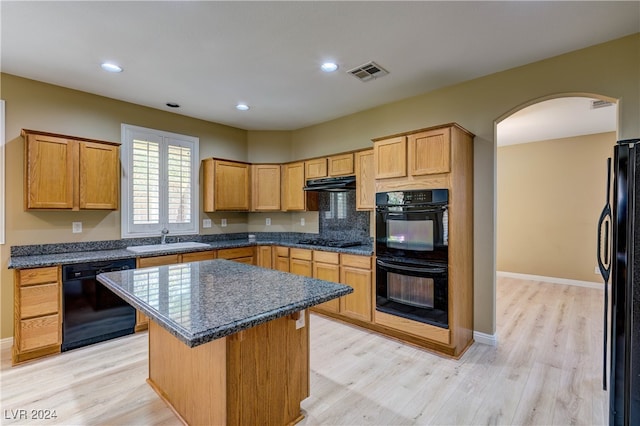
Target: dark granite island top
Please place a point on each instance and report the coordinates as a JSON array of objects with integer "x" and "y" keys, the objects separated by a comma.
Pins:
[{"x": 202, "y": 301}]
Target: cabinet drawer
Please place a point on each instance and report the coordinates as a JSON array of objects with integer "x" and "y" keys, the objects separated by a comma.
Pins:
[
  {"x": 39, "y": 332},
  {"x": 297, "y": 253},
  {"x": 326, "y": 257},
  {"x": 168, "y": 259},
  {"x": 198, "y": 256},
  {"x": 234, "y": 253},
  {"x": 356, "y": 261},
  {"x": 39, "y": 300},
  {"x": 282, "y": 251},
  {"x": 38, "y": 275},
  {"x": 247, "y": 260}
]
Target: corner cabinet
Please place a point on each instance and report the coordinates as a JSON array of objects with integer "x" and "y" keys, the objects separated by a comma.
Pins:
[
  {"x": 294, "y": 197},
  {"x": 38, "y": 313},
  {"x": 265, "y": 194},
  {"x": 226, "y": 185},
  {"x": 70, "y": 173}
]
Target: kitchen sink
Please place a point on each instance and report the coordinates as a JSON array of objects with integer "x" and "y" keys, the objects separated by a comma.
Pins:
[{"x": 166, "y": 247}]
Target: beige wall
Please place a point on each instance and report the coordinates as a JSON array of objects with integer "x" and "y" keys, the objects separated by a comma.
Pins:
[
  {"x": 550, "y": 194},
  {"x": 610, "y": 69}
]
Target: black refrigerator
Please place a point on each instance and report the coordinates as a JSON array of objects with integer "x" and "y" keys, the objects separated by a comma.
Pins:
[{"x": 619, "y": 261}]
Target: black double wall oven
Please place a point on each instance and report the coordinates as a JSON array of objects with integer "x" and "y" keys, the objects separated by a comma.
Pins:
[{"x": 412, "y": 255}]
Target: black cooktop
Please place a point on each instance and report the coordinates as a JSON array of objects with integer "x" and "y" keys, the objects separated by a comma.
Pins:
[{"x": 329, "y": 243}]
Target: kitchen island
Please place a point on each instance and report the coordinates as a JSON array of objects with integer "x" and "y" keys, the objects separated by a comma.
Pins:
[{"x": 228, "y": 342}]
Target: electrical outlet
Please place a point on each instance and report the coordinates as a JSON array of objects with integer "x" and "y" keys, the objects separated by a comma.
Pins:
[
  {"x": 206, "y": 223},
  {"x": 302, "y": 221},
  {"x": 223, "y": 222},
  {"x": 268, "y": 221},
  {"x": 76, "y": 227}
]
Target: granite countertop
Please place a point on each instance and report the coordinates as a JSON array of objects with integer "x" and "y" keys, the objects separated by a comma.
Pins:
[
  {"x": 201, "y": 301},
  {"x": 97, "y": 251}
]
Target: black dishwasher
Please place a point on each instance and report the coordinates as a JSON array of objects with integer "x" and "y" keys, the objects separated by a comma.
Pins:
[{"x": 92, "y": 313}]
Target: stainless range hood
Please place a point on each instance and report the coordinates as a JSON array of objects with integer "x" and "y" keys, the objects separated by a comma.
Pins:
[{"x": 332, "y": 184}]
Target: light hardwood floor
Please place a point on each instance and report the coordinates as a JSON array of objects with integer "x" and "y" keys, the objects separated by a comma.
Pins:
[{"x": 546, "y": 370}]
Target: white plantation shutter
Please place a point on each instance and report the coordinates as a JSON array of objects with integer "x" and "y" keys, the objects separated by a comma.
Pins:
[{"x": 159, "y": 183}]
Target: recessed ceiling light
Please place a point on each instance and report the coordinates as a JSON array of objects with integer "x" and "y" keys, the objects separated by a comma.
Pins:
[
  {"x": 172, "y": 105},
  {"x": 242, "y": 107},
  {"x": 329, "y": 67},
  {"x": 110, "y": 67}
]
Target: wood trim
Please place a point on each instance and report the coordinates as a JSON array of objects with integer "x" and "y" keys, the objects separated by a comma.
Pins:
[
  {"x": 425, "y": 129},
  {"x": 25, "y": 132},
  {"x": 416, "y": 328}
]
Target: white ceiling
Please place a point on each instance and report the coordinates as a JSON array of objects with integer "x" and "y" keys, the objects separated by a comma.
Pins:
[
  {"x": 555, "y": 119},
  {"x": 208, "y": 56}
]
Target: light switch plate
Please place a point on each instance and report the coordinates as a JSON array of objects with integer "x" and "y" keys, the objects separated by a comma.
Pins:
[
  {"x": 206, "y": 223},
  {"x": 302, "y": 221},
  {"x": 76, "y": 227},
  {"x": 223, "y": 222},
  {"x": 268, "y": 221}
]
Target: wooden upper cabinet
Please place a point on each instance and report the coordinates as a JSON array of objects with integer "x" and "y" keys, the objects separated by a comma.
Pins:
[
  {"x": 390, "y": 157},
  {"x": 315, "y": 168},
  {"x": 294, "y": 197},
  {"x": 226, "y": 185},
  {"x": 365, "y": 180},
  {"x": 430, "y": 152},
  {"x": 265, "y": 194},
  {"x": 341, "y": 165},
  {"x": 67, "y": 172},
  {"x": 99, "y": 176}
]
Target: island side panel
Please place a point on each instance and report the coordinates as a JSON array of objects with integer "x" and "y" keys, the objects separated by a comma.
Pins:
[
  {"x": 192, "y": 381},
  {"x": 268, "y": 373}
]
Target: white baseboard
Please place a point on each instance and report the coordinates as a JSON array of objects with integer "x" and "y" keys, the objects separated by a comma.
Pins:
[
  {"x": 552, "y": 280},
  {"x": 6, "y": 342},
  {"x": 485, "y": 339}
]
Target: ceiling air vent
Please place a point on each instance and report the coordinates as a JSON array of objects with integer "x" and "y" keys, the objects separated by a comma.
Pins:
[
  {"x": 368, "y": 71},
  {"x": 600, "y": 104}
]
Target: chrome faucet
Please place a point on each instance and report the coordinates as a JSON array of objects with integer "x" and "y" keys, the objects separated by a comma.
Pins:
[{"x": 163, "y": 237}]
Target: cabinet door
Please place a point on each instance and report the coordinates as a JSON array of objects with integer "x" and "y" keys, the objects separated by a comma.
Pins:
[
  {"x": 264, "y": 256},
  {"x": 301, "y": 267},
  {"x": 282, "y": 263},
  {"x": 327, "y": 272},
  {"x": 266, "y": 187},
  {"x": 293, "y": 197},
  {"x": 49, "y": 172},
  {"x": 231, "y": 186},
  {"x": 429, "y": 152},
  {"x": 357, "y": 304},
  {"x": 341, "y": 165},
  {"x": 316, "y": 168},
  {"x": 99, "y": 176},
  {"x": 390, "y": 158},
  {"x": 365, "y": 180}
]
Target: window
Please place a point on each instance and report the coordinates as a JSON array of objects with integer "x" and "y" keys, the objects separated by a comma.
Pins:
[
  {"x": 337, "y": 206},
  {"x": 159, "y": 183}
]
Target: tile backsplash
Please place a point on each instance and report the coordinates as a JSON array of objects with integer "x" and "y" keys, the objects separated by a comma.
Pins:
[{"x": 339, "y": 219}]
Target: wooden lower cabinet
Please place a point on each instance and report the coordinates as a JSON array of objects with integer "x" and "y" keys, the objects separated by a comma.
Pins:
[
  {"x": 326, "y": 266},
  {"x": 300, "y": 262},
  {"x": 265, "y": 256},
  {"x": 37, "y": 313},
  {"x": 281, "y": 258},
  {"x": 239, "y": 254},
  {"x": 355, "y": 271},
  {"x": 197, "y": 256}
]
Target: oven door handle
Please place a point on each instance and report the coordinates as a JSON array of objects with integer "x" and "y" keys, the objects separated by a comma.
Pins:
[
  {"x": 403, "y": 212},
  {"x": 411, "y": 268}
]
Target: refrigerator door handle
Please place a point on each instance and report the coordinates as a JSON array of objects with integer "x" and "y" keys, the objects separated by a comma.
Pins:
[{"x": 604, "y": 265}]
